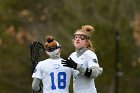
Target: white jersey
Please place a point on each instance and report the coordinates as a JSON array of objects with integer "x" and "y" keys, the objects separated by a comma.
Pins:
[
  {"x": 83, "y": 84},
  {"x": 55, "y": 77}
]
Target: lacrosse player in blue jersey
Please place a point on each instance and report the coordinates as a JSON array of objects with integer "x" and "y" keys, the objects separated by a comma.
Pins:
[
  {"x": 84, "y": 61},
  {"x": 54, "y": 76}
]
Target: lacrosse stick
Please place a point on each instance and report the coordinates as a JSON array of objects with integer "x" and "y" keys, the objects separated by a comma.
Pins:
[{"x": 36, "y": 49}]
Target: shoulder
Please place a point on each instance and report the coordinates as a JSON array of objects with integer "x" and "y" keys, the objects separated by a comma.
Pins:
[
  {"x": 72, "y": 54},
  {"x": 90, "y": 53},
  {"x": 91, "y": 56},
  {"x": 42, "y": 63}
]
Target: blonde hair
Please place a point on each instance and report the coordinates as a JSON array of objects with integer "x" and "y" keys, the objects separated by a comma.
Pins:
[{"x": 87, "y": 30}]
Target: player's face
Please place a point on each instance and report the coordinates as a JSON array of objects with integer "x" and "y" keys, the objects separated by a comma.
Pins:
[{"x": 80, "y": 40}]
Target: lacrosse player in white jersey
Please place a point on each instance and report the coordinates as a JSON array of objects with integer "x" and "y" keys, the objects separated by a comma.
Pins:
[
  {"x": 84, "y": 61},
  {"x": 54, "y": 76}
]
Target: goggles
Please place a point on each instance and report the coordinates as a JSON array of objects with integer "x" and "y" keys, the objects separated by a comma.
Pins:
[
  {"x": 81, "y": 36},
  {"x": 52, "y": 48}
]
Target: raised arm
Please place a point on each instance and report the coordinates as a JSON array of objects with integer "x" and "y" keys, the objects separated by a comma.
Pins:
[{"x": 92, "y": 72}]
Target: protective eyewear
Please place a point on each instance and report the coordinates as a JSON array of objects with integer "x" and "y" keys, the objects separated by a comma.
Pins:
[
  {"x": 52, "y": 48},
  {"x": 81, "y": 36}
]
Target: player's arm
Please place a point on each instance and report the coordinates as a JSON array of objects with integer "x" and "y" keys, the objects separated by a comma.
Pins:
[
  {"x": 35, "y": 85},
  {"x": 91, "y": 72}
]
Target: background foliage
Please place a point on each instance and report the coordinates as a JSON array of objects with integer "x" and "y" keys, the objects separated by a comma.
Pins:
[{"x": 22, "y": 22}]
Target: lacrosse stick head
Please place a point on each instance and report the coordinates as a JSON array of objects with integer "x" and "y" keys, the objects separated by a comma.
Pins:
[{"x": 36, "y": 49}]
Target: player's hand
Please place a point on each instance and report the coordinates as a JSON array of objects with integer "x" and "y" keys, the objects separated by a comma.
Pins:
[{"x": 69, "y": 63}]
